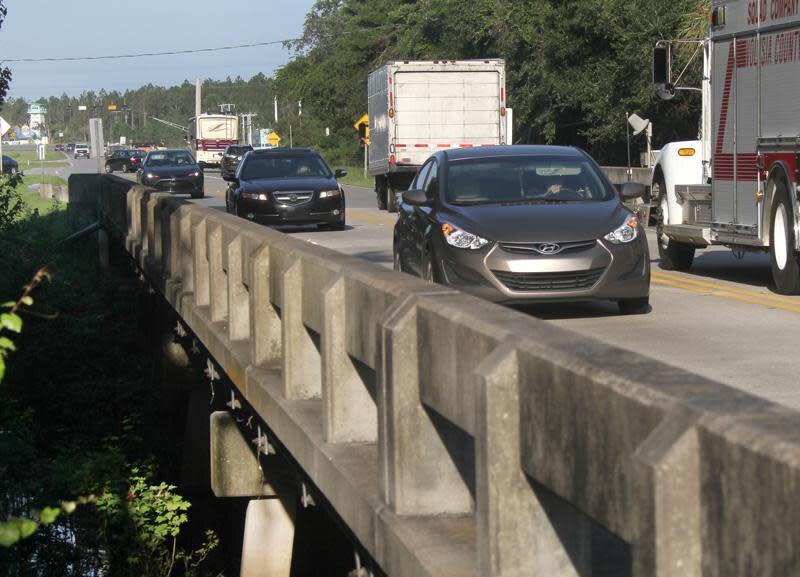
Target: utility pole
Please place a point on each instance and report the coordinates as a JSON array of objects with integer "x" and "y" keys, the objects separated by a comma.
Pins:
[
  {"x": 275, "y": 102},
  {"x": 227, "y": 108}
]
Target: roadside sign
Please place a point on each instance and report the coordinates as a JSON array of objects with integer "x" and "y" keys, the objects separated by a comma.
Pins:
[
  {"x": 273, "y": 138},
  {"x": 362, "y": 127},
  {"x": 112, "y": 106},
  {"x": 81, "y": 107},
  {"x": 4, "y": 126}
]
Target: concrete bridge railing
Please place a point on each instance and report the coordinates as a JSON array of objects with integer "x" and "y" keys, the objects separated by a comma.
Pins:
[{"x": 459, "y": 438}]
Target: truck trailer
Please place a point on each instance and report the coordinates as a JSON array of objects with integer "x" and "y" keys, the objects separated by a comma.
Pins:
[
  {"x": 417, "y": 108},
  {"x": 738, "y": 185}
]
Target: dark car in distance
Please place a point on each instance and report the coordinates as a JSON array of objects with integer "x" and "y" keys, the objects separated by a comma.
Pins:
[
  {"x": 59, "y": 148},
  {"x": 124, "y": 160},
  {"x": 232, "y": 157},
  {"x": 287, "y": 186},
  {"x": 524, "y": 224},
  {"x": 10, "y": 166},
  {"x": 174, "y": 171}
]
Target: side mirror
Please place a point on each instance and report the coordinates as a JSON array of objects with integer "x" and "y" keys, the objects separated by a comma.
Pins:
[
  {"x": 339, "y": 173},
  {"x": 631, "y": 190},
  {"x": 231, "y": 179},
  {"x": 416, "y": 198}
]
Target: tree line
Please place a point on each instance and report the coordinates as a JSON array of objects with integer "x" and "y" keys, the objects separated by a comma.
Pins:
[{"x": 574, "y": 69}]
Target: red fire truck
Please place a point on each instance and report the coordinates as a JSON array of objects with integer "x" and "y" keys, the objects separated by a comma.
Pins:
[{"x": 739, "y": 185}]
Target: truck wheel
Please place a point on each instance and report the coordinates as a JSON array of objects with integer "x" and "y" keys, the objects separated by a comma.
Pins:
[
  {"x": 380, "y": 192},
  {"x": 674, "y": 255},
  {"x": 391, "y": 198},
  {"x": 783, "y": 259}
]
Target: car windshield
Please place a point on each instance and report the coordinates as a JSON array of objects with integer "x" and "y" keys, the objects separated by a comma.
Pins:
[
  {"x": 522, "y": 179},
  {"x": 169, "y": 158},
  {"x": 284, "y": 166}
]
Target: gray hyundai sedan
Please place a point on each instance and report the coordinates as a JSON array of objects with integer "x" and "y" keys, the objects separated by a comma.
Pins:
[{"x": 524, "y": 224}]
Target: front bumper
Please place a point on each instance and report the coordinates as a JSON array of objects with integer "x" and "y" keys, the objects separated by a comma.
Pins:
[
  {"x": 179, "y": 185},
  {"x": 505, "y": 273},
  {"x": 315, "y": 211}
]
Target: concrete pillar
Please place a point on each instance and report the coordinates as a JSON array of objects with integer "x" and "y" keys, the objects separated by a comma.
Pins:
[
  {"x": 350, "y": 414},
  {"x": 302, "y": 372},
  {"x": 268, "y": 538},
  {"x": 522, "y": 531},
  {"x": 194, "y": 464},
  {"x": 218, "y": 282},
  {"x": 238, "y": 299},
  {"x": 670, "y": 542},
  {"x": 265, "y": 328},
  {"x": 201, "y": 269},
  {"x": 103, "y": 248},
  {"x": 417, "y": 474}
]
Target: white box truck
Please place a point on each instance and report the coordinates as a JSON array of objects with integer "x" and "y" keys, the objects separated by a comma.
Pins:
[
  {"x": 417, "y": 108},
  {"x": 739, "y": 186}
]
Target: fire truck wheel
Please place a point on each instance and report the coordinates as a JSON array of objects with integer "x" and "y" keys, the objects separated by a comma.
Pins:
[
  {"x": 674, "y": 255},
  {"x": 785, "y": 266}
]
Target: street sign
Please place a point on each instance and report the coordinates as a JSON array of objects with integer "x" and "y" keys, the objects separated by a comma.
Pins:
[
  {"x": 81, "y": 107},
  {"x": 112, "y": 106},
  {"x": 4, "y": 126},
  {"x": 273, "y": 138},
  {"x": 362, "y": 127}
]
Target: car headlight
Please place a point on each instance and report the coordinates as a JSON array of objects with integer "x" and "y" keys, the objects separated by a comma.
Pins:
[
  {"x": 195, "y": 173},
  {"x": 254, "y": 196},
  {"x": 330, "y": 193},
  {"x": 625, "y": 233},
  {"x": 149, "y": 175},
  {"x": 461, "y": 238}
]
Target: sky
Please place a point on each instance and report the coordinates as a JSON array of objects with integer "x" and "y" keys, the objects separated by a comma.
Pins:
[{"x": 61, "y": 28}]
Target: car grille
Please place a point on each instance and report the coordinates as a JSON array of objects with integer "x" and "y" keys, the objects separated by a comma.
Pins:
[
  {"x": 174, "y": 184},
  {"x": 293, "y": 198},
  {"x": 533, "y": 248},
  {"x": 549, "y": 281}
]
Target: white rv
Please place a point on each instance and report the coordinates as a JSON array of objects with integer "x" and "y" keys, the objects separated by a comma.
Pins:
[{"x": 210, "y": 134}]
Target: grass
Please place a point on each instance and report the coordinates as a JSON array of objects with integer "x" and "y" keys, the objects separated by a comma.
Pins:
[
  {"x": 39, "y": 178},
  {"x": 38, "y": 165},
  {"x": 40, "y": 203},
  {"x": 355, "y": 177},
  {"x": 26, "y": 155}
]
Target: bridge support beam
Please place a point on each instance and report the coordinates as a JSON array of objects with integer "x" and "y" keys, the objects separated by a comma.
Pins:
[{"x": 268, "y": 538}]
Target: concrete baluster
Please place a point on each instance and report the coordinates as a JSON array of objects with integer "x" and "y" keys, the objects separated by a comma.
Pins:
[
  {"x": 185, "y": 252},
  {"x": 218, "y": 286},
  {"x": 265, "y": 323},
  {"x": 417, "y": 475},
  {"x": 201, "y": 268},
  {"x": 350, "y": 414},
  {"x": 670, "y": 536},
  {"x": 302, "y": 372},
  {"x": 238, "y": 297},
  {"x": 521, "y": 532}
]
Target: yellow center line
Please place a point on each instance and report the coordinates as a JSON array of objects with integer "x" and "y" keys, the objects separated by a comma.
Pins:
[
  {"x": 723, "y": 293},
  {"x": 371, "y": 218},
  {"x": 728, "y": 289}
]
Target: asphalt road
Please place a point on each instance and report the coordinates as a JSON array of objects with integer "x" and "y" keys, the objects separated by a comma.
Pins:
[{"x": 720, "y": 319}]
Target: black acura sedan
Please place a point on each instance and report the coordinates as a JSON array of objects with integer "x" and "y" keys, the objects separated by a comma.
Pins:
[
  {"x": 171, "y": 171},
  {"x": 287, "y": 186},
  {"x": 524, "y": 224}
]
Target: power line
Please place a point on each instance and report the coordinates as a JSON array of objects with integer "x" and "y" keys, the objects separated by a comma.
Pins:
[{"x": 145, "y": 54}]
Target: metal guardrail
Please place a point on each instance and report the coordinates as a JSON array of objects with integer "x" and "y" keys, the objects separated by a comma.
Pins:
[{"x": 456, "y": 437}]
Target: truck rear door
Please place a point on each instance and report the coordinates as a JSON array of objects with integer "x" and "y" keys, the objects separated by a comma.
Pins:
[{"x": 450, "y": 109}]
